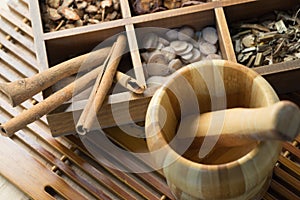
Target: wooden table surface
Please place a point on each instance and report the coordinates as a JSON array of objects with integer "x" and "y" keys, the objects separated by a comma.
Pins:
[
  {"x": 7, "y": 189},
  {"x": 34, "y": 165}
]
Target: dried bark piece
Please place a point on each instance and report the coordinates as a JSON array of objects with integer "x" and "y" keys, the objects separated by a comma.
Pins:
[
  {"x": 106, "y": 3},
  {"x": 209, "y": 34},
  {"x": 179, "y": 46},
  {"x": 249, "y": 49},
  {"x": 91, "y": 9},
  {"x": 280, "y": 26},
  {"x": 172, "y": 34},
  {"x": 67, "y": 3},
  {"x": 157, "y": 9},
  {"x": 255, "y": 26},
  {"x": 187, "y": 50},
  {"x": 169, "y": 53},
  {"x": 59, "y": 26},
  {"x": 68, "y": 26},
  {"x": 93, "y": 21},
  {"x": 244, "y": 57},
  {"x": 85, "y": 18},
  {"x": 53, "y": 14},
  {"x": 69, "y": 14},
  {"x": 147, "y": 6},
  {"x": 112, "y": 16},
  {"x": 78, "y": 23},
  {"x": 240, "y": 34},
  {"x": 53, "y": 3},
  {"x": 172, "y": 4},
  {"x": 258, "y": 60},
  {"x": 207, "y": 48},
  {"x": 186, "y": 33},
  {"x": 79, "y": 12},
  {"x": 116, "y": 5},
  {"x": 238, "y": 45},
  {"x": 248, "y": 40},
  {"x": 190, "y": 3},
  {"x": 98, "y": 17},
  {"x": 266, "y": 37},
  {"x": 250, "y": 61},
  {"x": 175, "y": 64},
  {"x": 81, "y": 4}
]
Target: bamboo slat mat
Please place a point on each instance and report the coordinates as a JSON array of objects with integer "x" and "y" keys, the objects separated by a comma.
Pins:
[{"x": 36, "y": 166}]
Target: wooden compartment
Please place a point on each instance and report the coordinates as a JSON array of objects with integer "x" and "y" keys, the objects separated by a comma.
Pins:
[
  {"x": 55, "y": 47},
  {"x": 282, "y": 76}
]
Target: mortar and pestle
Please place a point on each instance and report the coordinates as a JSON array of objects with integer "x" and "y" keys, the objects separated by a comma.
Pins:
[{"x": 216, "y": 129}]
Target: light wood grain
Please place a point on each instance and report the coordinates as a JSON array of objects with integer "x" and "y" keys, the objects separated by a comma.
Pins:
[
  {"x": 40, "y": 47},
  {"x": 16, "y": 21},
  {"x": 240, "y": 126},
  {"x": 40, "y": 130},
  {"x": 25, "y": 41},
  {"x": 212, "y": 13},
  {"x": 135, "y": 56},
  {"x": 226, "y": 46},
  {"x": 19, "y": 8},
  {"x": 24, "y": 55},
  {"x": 185, "y": 176},
  {"x": 125, "y": 9},
  {"x": 17, "y": 162}
]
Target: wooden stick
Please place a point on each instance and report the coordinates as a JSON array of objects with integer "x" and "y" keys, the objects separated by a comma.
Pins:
[
  {"x": 104, "y": 86},
  {"x": 21, "y": 90},
  {"x": 49, "y": 104},
  {"x": 87, "y": 108},
  {"x": 238, "y": 126}
]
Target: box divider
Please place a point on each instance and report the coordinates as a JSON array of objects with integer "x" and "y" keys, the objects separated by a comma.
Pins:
[
  {"x": 135, "y": 54},
  {"x": 125, "y": 9},
  {"x": 39, "y": 41},
  {"x": 226, "y": 46}
]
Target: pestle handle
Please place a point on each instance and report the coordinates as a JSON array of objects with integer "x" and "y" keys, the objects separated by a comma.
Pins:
[{"x": 236, "y": 126}]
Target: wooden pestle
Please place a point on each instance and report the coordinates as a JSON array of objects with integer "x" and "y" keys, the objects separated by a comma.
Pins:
[{"x": 238, "y": 126}]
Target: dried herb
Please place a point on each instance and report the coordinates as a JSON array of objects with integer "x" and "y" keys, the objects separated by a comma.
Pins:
[
  {"x": 270, "y": 41},
  {"x": 65, "y": 14}
]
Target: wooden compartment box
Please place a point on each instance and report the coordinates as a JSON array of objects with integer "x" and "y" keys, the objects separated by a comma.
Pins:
[{"x": 56, "y": 47}]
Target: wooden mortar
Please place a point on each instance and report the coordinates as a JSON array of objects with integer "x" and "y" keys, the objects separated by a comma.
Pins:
[{"x": 225, "y": 173}]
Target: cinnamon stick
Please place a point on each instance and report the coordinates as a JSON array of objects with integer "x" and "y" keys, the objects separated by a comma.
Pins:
[
  {"x": 85, "y": 123},
  {"x": 48, "y": 104},
  {"x": 23, "y": 89},
  {"x": 87, "y": 108},
  {"x": 129, "y": 83}
]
